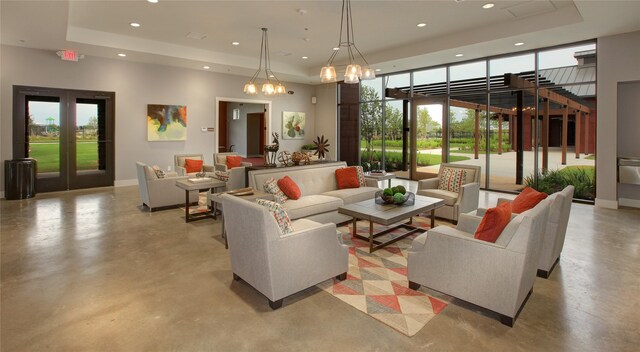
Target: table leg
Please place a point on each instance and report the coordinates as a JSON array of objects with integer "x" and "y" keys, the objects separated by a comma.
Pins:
[
  {"x": 224, "y": 233},
  {"x": 370, "y": 236},
  {"x": 389, "y": 183},
  {"x": 433, "y": 218},
  {"x": 186, "y": 207},
  {"x": 355, "y": 226}
]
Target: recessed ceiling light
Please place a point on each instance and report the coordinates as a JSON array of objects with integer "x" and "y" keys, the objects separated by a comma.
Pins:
[
  {"x": 336, "y": 49},
  {"x": 153, "y": 1},
  {"x": 378, "y": 70},
  {"x": 122, "y": 55},
  {"x": 235, "y": 43},
  {"x": 518, "y": 43},
  {"x": 488, "y": 6},
  {"x": 421, "y": 24},
  {"x": 305, "y": 57},
  {"x": 134, "y": 24},
  {"x": 206, "y": 67},
  {"x": 459, "y": 55},
  {"x": 271, "y": 76}
]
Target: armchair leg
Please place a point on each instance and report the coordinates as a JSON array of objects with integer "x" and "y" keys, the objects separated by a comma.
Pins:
[
  {"x": 414, "y": 285},
  {"x": 508, "y": 321},
  {"x": 277, "y": 304},
  {"x": 236, "y": 277},
  {"x": 341, "y": 277}
]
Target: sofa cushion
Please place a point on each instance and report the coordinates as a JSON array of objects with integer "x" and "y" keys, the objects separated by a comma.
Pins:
[
  {"x": 347, "y": 178},
  {"x": 527, "y": 199},
  {"x": 289, "y": 188},
  {"x": 149, "y": 173},
  {"x": 493, "y": 222},
  {"x": 353, "y": 195},
  {"x": 449, "y": 197},
  {"x": 451, "y": 179},
  {"x": 193, "y": 165},
  {"x": 271, "y": 187},
  {"x": 281, "y": 216},
  {"x": 311, "y": 205},
  {"x": 233, "y": 161}
]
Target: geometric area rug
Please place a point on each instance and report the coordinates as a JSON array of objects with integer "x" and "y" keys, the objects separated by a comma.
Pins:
[{"x": 377, "y": 282}]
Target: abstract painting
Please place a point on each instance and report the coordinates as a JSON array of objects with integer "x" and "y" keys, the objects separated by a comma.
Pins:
[
  {"x": 293, "y": 125},
  {"x": 166, "y": 122}
]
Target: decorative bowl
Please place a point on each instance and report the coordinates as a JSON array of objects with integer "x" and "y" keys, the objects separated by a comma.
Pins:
[{"x": 409, "y": 198}]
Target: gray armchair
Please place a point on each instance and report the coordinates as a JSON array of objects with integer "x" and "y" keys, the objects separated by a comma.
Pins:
[
  {"x": 179, "y": 160},
  {"x": 279, "y": 265},
  {"x": 555, "y": 230},
  {"x": 157, "y": 193},
  {"x": 497, "y": 276},
  {"x": 220, "y": 161},
  {"x": 455, "y": 203}
]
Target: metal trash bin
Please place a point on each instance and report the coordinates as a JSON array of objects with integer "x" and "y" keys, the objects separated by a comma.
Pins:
[{"x": 20, "y": 178}]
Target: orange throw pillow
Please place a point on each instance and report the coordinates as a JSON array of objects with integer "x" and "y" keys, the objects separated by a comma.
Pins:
[
  {"x": 347, "y": 177},
  {"x": 289, "y": 187},
  {"x": 233, "y": 161},
  {"x": 526, "y": 200},
  {"x": 493, "y": 222},
  {"x": 193, "y": 165}
]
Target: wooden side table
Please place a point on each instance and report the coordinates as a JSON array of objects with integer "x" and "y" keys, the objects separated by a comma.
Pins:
[
  {"x": 190, "y": 186},
  {"x": 388, "y": 176}
]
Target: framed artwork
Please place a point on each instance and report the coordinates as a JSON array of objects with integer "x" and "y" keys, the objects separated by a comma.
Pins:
[
  {"x": 166, "y": 122},
  {"x": 293, "y": 125}
]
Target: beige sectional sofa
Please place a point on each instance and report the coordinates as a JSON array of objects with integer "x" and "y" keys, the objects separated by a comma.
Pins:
[{"x": 321, "y": 197}]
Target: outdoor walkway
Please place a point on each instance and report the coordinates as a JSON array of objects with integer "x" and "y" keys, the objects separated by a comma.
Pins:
[{"x": 503, "y": 167}]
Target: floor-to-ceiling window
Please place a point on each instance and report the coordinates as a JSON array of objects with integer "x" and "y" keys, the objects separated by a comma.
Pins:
[{"x": 526, "y": 119}]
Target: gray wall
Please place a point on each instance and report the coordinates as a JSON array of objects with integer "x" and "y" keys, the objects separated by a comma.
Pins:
[
  {"x": 237, "y": 129},
  {"x": 618, "y": 61},
  {"x": 628, "y": 135},
  {"x": 136, "y": 85},
  {"x": 327, "y": 116}
]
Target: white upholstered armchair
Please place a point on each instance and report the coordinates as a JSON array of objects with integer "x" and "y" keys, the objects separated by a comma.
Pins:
[
  {"x": 497, "y": 276},
  {"x": 179, "y": 160},
  {"x": 555, "y": 229},
  {"x": 279, "y": 265},
  {"x": 464, "y": 201},
  {"x": 220, "y": 161},
  {"x": 157, "y": 193}
]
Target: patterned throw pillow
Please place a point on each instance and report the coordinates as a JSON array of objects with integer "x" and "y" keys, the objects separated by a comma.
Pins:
[
  {"x": 360, "y": 171},
  {"x": 271, "y": 187},
  {"x": 158, "y": 171},
  {"x": 281, "y": 216},
  {"x": 221, "y": 175},
  {"x": 451, "y": 179}
]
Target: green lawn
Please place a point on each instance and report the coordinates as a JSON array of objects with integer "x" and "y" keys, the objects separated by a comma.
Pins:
[{"x": 48, "y": 156}]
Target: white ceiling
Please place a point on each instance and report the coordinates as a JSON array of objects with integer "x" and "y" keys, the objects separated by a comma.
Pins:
[{"x": 385, "y": 31}]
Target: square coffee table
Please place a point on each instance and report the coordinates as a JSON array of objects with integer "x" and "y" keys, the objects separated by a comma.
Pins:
[{"x": 388, "y": 214}]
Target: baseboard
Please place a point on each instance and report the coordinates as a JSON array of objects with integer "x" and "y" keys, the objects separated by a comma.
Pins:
[
  {"x": 122, "y": 183},
  {"x": 609, "y": 204},
  {"x": 627, "y": 202}
]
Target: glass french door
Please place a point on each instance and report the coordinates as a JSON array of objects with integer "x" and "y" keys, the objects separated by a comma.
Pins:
[
  {"x": 69, "y": 133},
  {"x": 428, "y": 137}
]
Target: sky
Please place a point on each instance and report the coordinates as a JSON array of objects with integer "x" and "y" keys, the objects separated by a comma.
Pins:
[{"x": 41, "y": 110}]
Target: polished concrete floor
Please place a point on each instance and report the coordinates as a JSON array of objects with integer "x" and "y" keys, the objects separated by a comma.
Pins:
[{"x": 89, "y": 271}]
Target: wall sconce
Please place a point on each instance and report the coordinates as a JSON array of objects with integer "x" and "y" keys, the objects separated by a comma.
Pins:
[{"x": 236, "y": 114}]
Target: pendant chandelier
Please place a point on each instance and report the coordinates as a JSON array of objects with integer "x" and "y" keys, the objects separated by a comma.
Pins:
[
  {"x": 354, "y": 72},
  {"x": 268, "y": 87}
]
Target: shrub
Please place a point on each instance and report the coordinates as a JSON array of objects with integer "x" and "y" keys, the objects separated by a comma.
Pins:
[{"x": 555, "y": 180}]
